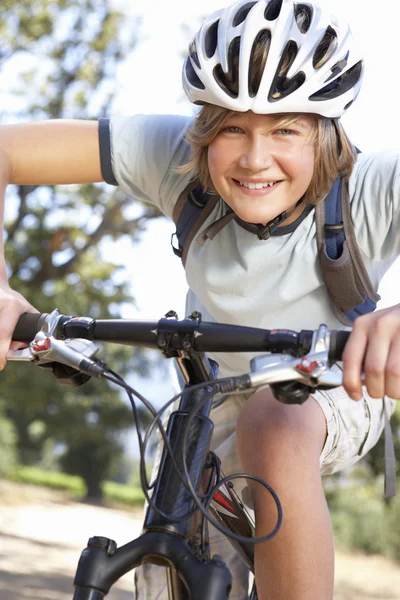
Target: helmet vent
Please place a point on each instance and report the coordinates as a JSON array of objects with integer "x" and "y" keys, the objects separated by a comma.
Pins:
[
  {"x": 338, "y": 68},
  {"x": 193, "y": 54},
  {"x": 340, "y": 85},
  {"x": 211, "y": 39},
  {"x": 258, "y": 59},
  {"x": 282, "y": 86},
  {"x": 192, "y": 76},
  {"x": 303, "y": 13},
  {"x": 242, "y": 13},
  {"x": 326, "y": 48},
  {"x": 273, "y": 10},
  {"x": 229, "y": 81}
]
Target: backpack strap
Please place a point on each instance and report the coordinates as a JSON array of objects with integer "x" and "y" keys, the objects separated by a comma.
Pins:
[
  {"x": 349, "y": 287},
  {"x": 348, "y": 284},
  {"x": 192, "y": 209}
]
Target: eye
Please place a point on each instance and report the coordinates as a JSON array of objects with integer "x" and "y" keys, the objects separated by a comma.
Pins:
[
  {"x": 286, "y": 132},
  {"x": 232, "y": 129}
]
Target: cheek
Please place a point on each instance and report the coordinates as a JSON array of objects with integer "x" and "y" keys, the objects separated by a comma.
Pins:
[
  {"x": 212, "y": 160},
  {"x": 304, "y": 167},
  {"x": 217, "y": 164}
]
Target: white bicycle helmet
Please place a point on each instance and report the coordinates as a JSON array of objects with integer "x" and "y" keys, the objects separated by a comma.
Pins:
[{"x": 312, "y": 64}]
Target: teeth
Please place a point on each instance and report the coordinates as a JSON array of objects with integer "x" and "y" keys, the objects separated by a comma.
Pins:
[{"x": 257, "y": 186}]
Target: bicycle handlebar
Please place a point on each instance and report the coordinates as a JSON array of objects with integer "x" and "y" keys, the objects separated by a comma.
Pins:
[
  {"x": 68, "y": 340},
  {"x": 198, "y": 335}
]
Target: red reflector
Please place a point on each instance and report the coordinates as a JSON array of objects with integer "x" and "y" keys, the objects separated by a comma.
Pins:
[
  {"x": 305, "y": 366},
  {"x": 41, "y": 345}
]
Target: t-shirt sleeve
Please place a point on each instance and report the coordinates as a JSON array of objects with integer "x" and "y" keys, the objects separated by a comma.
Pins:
[
  {"x": 375, "y": 204},
  {"x": 140, "y": 154}
]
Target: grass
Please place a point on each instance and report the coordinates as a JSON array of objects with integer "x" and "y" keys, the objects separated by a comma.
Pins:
[{"x": 114, "y": 493}]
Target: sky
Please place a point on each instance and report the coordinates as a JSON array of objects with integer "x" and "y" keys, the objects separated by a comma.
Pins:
[{"x": 150, "y": 82}]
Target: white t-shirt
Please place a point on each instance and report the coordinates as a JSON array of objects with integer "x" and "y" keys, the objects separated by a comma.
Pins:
[{"x": 236, "y": 278}]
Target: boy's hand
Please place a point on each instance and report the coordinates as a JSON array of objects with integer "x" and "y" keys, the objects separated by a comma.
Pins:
[
  {"x": 12, "y": 306},
  {"x": 374, "y": 348}
]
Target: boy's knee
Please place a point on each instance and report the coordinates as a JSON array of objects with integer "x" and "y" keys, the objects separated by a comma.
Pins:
[{"x": 265, "y": 422}]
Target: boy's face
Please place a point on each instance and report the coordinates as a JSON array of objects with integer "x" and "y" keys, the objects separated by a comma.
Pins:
[{"x": 250, "y": 149}]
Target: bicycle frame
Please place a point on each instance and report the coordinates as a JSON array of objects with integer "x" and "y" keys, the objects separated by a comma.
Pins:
[
  {"x": 167, "y": 538},
  {"x": 163, "y": 541}
]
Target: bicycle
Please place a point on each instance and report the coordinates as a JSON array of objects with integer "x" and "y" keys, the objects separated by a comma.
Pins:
[{"x": 175, "y": 531}]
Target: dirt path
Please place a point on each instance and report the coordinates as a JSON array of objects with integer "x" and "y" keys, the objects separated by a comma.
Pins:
[{"x": 42, "y": 534}]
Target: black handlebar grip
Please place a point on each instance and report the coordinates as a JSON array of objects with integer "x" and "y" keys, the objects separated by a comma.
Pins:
[
  {"x": 337, "y": 343},
  {"x": 27, "y": 327}
]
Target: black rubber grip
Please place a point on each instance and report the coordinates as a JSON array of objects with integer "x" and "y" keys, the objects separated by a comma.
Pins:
[
  {"x": 27, "y": 327},
  {"x": 337, "y": 343}
]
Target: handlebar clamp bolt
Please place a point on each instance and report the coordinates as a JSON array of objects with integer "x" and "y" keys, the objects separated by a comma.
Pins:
[{"x": 171, "y": 314}]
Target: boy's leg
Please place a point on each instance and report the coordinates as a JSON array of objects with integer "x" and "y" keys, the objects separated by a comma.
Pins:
[{"x": 282, "y": 444}]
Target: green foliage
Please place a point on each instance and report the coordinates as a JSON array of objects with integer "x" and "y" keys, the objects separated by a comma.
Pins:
[
  {"x": 362, "y": 520},
  {"x": 56, "y": 481},
  {"x": 55, "y": 236},
  {"x": 70, "y": 46},
  {"x": 93, "y": 432},
  {"x": 357, "y": 518},
  {"x": 8, "y": 442},
  {"x": 114, "y": 493}
]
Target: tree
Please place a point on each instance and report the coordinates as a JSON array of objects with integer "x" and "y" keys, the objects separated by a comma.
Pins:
[
  {"x": 55, "y": 234},
  {"x": 7, "y": 437}
]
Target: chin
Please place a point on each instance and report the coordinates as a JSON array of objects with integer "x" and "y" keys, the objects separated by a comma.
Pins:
[{"x": 254, "y": 219}]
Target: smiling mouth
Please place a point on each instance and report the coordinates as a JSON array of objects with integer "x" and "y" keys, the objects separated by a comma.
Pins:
[{"x": 259, "y": 185}]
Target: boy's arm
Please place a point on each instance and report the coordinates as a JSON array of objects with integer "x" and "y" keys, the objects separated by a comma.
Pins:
[{"x": 50, "y": 152}]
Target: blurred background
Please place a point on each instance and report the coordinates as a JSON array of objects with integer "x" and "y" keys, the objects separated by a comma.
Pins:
[{"x": 91, "y": 250}]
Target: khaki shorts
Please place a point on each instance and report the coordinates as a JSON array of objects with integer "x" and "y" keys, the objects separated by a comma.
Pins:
[{"x": 353, "y": 428}]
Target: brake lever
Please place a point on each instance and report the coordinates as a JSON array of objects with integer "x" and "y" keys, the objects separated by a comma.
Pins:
[
  {"x": 48, "y": 329},
  {"x": 312, "y": 369},
  {"x": 25, "y": 354},
  {"x": 46, "y": 349}
]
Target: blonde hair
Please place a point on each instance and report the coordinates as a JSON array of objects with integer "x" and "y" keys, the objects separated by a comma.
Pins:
[{"x": 334, "y": 153}]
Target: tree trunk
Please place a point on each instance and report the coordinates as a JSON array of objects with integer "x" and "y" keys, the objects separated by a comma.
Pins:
[{"x": 94, "y": 492}]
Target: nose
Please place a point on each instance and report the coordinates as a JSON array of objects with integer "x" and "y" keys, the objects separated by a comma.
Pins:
[{"x": 258, "y": 154}]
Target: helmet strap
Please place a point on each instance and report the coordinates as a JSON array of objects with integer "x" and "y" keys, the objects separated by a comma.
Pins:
[{"x": 264, "y": 232}]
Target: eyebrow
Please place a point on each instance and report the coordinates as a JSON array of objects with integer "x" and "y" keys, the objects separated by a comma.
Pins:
[{"x": 301, "y": 121}]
